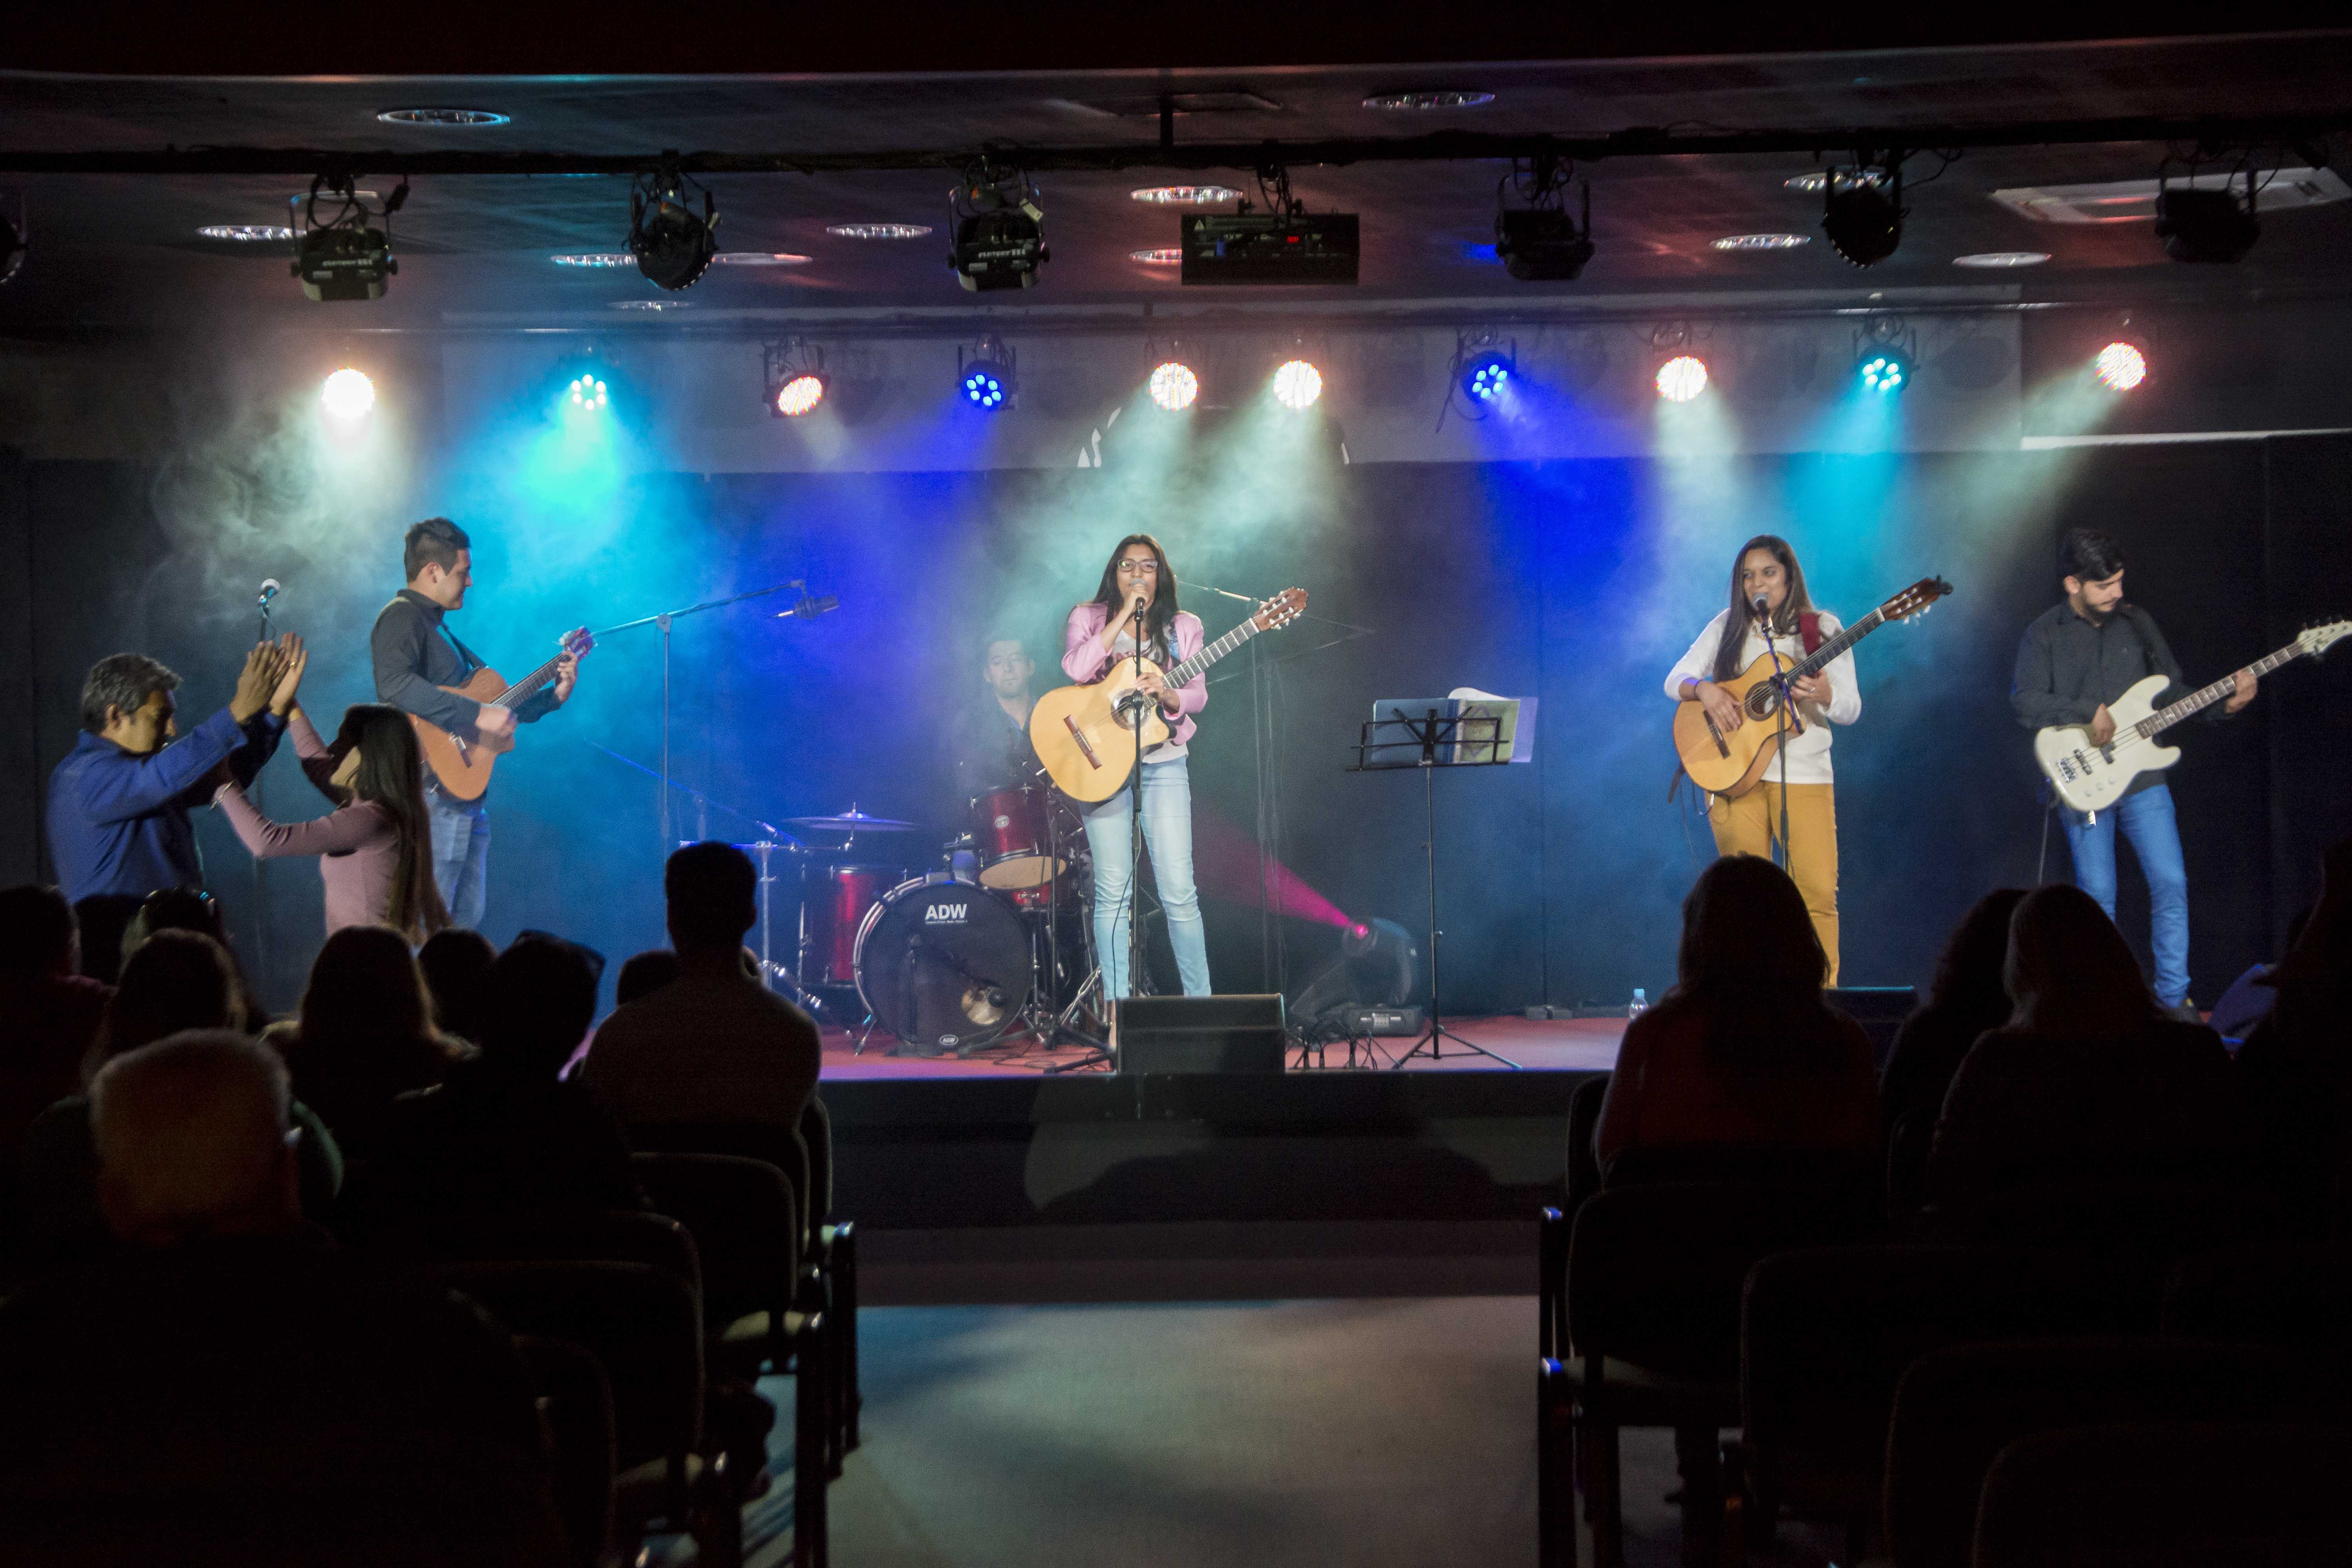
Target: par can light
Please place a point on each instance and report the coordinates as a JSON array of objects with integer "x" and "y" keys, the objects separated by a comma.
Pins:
[
  {"x": 1297, "y": 384},
  {"x": 1682, "y": 378},
  {"x": 2120, "y": 366},
  {"x": 1174, "y": 386},
  {"x": 348, "y": 394}
]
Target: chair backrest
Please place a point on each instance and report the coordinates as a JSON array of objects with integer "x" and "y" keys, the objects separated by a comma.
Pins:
[
  {"x": 2252, "y": 1496},
  {"x": 1955, "y": 1409},
  {"x": 782, "y": 1147},
  {"x": 575, "y": 1403},
  {"x": 2298, "y": 1296},
  {"x": 1850, "y": 1177},
  {"x": 642, "y": 1323},
  {"x": 546, "y": 1236},
  {"x": 1654, "y": 1272},
  {"x": 1826, "y": 1333},
  {"x": 2158, "y": 1216},
  {"x": 1582, "y": 1166},
  {"x": 816, "y": 1138},
  {"x": 745, "y": 1224}
]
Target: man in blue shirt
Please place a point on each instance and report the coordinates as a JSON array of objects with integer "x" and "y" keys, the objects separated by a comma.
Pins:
[{"x": 118, "y": 812}]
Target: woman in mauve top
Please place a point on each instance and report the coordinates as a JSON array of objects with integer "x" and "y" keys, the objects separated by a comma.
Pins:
[{"x": 375, "y": 849}]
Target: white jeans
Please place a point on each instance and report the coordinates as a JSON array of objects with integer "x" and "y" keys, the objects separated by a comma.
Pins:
[{"x": 1168, "y": 834}]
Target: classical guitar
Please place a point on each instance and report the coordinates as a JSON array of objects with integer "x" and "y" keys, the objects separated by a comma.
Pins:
[
  {"x": 1086, "y": 734},
  {"x": 463, "y": 766},
  {"x": 1732, "y": 762},
  {"x": 2091, "y": 777}
]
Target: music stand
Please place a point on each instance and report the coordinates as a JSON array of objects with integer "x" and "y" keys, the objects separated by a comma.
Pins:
[{"x": 1429, "y": 733}]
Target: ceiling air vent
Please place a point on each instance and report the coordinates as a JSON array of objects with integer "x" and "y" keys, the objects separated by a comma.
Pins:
[{"x": 2133, "y": 201}]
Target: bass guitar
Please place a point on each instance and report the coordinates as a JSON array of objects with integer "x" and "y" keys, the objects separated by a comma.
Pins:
[
  {"x": 1086, "y": 734},
  {"x": 2091, "y": 777},
  {"x": 463, "y": 766},
  {"x": 1732, "y": 762}
]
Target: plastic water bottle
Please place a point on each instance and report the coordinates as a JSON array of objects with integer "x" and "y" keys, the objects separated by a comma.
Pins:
[{"x": 1639, "y": 1004}]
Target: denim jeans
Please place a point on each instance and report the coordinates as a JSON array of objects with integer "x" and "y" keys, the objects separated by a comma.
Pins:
[
  {"x": 461, "y": 854},
  {"x": 2146, "y": 819},
  {"x": 1168, "y": 834}
]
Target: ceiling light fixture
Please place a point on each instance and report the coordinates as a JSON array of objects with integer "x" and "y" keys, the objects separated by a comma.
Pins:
[
  {"x": 343, "y": 257},
  {"x": 348, "y": 394},
  {"x": 1431, "y": 97},
  {"x": 1813, "y": 182},
  {"x": 1167, "y": 255},
  {"x": 1863, "y": 215},
  {"x": 760, "y": 259},
  {"x": 1297, "y": 384},
  {"x": 1174, "y": 386},
  {"x": 879, "y": 230},
  {"x": 1682, "y": 378},
  {"x": 1761, "y": 241},
  {"x": 1884, "y": 355},
  {"x": 1540, "y": 241},
  {"x": 673, "y": 247},
  {"x": 2204, "y": 225},
  {"x": 594, "y": 258},
  {"x": 2120, "y": 366},
  {"x": 795, "y": 377},
  {"x": 987, "y": 375},
  {"x": 2002, "y": 258},
  {"x": 441, "y": 117},
  {"x": 1000, "y": 230},
  {"x": 248, "y": 233},
  {"x": 655, "y": 306},
  {"x": 1186, "y": 195}
]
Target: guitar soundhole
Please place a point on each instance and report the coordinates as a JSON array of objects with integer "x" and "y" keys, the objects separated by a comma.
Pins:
[{"x": 1763, "y": 700}]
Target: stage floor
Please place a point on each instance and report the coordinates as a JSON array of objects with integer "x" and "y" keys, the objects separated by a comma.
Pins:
[{"x": 1582, "y": 1045}]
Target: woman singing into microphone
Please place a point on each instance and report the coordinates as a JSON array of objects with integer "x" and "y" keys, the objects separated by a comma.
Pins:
[{"x": 1137, "y": 597}]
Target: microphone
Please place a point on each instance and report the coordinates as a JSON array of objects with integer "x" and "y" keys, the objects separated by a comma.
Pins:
[
  {"x": 269, "y": 591},
  {"x": 809, "y": 606},
  {"x": 1761, "y": 608}
]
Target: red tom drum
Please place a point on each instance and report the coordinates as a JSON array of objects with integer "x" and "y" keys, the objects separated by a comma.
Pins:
[
  {"x": 833, "y": 903},
  {"x": 1008, "y": 831}
]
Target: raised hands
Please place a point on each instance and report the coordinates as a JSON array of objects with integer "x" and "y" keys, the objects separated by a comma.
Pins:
[
  {"x": 263, "y": 668},
  {"x": 296, "y": 658}
]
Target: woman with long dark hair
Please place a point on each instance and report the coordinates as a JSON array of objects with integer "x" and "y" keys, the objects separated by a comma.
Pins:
[
  {"x": 1138, "y": 589},
  {"x": 375, "y": 851},
  {"x": 366, "y": 1033},
  {"x": 1766, "y": 568}
]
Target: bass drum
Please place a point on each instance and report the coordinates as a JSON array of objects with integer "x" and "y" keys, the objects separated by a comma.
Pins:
[{"x": 944, "y": 964}]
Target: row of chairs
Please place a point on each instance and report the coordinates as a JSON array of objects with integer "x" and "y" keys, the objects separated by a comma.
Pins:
[{"x": 1704, "y": 1289}]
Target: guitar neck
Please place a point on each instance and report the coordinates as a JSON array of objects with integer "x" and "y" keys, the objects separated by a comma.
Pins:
[
  {"x": 526, "y": 689},
  {"x": 1820, "y": 658},
  {"x": 2172, "y": 713},
  {"x": 1208, "y": 656}
]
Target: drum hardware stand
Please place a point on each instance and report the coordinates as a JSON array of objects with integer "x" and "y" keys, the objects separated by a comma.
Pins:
[
  {"x": 1049, "y": 1028},
  {"x": 1426, "y": 735}
]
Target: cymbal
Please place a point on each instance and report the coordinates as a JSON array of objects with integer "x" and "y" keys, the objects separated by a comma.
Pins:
[{"x": 851, "y": 821}]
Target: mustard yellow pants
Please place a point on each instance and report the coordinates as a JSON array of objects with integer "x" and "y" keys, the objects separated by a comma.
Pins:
[{"x": 1750, "y": 825}]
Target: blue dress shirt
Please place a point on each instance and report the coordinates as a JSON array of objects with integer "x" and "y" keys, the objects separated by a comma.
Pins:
[{"x": 119, "y": 823}]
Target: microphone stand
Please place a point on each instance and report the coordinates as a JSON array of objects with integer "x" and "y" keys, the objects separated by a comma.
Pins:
[
  {"x": 260, "y": 864},
  {"x": 1780, "y": 680},
  {"x": 1135, "y": 829}
]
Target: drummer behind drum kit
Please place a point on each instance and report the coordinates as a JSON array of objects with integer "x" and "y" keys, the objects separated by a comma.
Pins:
[{"x": 955, "y": 960}]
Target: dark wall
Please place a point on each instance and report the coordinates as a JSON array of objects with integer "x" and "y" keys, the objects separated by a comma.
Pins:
[{"x": 1575, "y": 582}]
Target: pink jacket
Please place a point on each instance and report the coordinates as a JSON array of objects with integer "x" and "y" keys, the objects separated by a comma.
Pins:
[
  {"x": 357, "y": 845},
  {"x": 1084, "y": 661}
]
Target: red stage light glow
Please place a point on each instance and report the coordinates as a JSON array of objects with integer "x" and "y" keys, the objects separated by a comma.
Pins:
[{"x": 1226, "y": 866}]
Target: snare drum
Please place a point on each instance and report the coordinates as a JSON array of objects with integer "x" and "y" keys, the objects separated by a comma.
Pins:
[
  {"x": 1008, "y": 827},
  {"x": 834, "y": 900}
]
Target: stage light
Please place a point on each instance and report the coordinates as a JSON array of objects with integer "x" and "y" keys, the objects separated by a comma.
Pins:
[
  {"x": 1543, "y": 242},
  {"x": 673, "y": 246},
  {"x": 347, "y": 394},
  {"x": 1861, "y": 212},
  {"x": 1297, "y": 384},
  {"x": 1682, "y": 378},
  {"x": 1885, "y": 354},
  {"x": 879, "y": 230},
  {"x": 594, "y": 258},
  {"x": 1000, "y": 236},
  {"x": 342, "y": 257},
  {"x": 1760, "y": 241},
  {"x": 1995, "y": 259},
  {"x": 1885, "y": 371},
  {"x": 248, "y": 233},
  {"x": 2205, "y": 226},
  {"x": 1186, "y": 195},
  {"x": 1485, "y": 374},
  {"x": 795, "y": 377},
  {"x": 587, "y": 393},
  {"x": 1174, "y": 386},
  {"x": 1164, "y": 256},
  {"x": 1431, "y": 98},
  {"x": 444, "y": 116},
  {"x": 987, "y": 377},
  {"x": 2120, "y": 366}
]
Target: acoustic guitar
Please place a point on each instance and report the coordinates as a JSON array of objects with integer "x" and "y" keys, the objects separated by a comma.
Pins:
[
  {"x": 463, "y": 766},
  {"x": 2091, "y": 777},
  {"x": 1732, "y": 762},
  {"x": 1086, "y": 734}
]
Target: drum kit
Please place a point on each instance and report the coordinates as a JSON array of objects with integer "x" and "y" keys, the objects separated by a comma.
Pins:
[{"x": 989, "y": 945}]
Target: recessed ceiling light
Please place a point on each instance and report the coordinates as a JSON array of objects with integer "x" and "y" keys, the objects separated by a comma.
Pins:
[
  {"x": 1813, "y": 182},
  {"x": 595, "y": 258},
  {"x": 444, "y": 116},
  {"x": 1186, "y": 195},
  {"x": 655, "y": 305},
  {"x": 760, "y": 259},
  {"x": 248, "y": 233},
  {"x": 879, "y": 230},
  {"x": 1169, "y": 257},
  {"x": 1431, "y": 98},
  {"x": 1762, "y": 241},
  {"x": 2002, "y": 258}
]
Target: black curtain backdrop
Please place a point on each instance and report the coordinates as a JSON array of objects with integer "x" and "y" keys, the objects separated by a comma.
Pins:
[{"x": 1578, "y": 584}]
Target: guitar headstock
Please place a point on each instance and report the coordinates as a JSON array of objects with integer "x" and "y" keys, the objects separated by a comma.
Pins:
[
  {"x": 2317, "y": 640},
  {"x": 1916, "y": 600},
  {"x": 579, "y": 643},
  {"x": 1281, "y": 610}
]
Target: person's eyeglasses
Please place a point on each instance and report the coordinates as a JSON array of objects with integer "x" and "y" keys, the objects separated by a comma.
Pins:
[{"x": 1150, "y": 566}]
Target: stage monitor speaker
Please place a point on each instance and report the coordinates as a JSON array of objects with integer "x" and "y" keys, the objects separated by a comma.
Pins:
[
  {"x": 1879, "y": 1009},
  {"x": 1201, "y": 1034}
]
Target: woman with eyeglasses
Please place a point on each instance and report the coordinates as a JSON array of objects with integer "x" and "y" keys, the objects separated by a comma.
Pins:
[{"x": 1137, "y": 605}]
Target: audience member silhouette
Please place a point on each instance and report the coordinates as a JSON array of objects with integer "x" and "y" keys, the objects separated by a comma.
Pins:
[
  {"x": 714, "y": 1044},
  {"x": 644, "y": 974},
  {"x": 2088, "y": 1080},
  {"x": 1743, "y": 1050},
  {"x": 178, "y": 909},
  {"x": 504, "y": 1131},
  {"x": 1966, "y": 997},
  {"x": 49, "y": 1015},
  {"x": 456, "y": 965},
  {"x": 174, "y": 980},
  {"x": 364, "y": 1034},
  {"x": 223, "y": 1367},
  {"x": 2297, "y": 1062}
]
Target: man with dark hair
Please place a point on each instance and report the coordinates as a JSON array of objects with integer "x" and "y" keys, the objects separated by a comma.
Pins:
[
  {"x": 2076, "y": 659},
  {"x": 714, "y": 1044},
  {"x": 119, "y": 803},
  {"x": 416, "y": 656}
]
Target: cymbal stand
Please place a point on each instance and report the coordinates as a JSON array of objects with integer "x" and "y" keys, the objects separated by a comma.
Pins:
[{"x": 1052, "y": 1028}]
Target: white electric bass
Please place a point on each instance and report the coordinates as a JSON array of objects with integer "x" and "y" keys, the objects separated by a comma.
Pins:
[{"x": 2091, "y": 777}]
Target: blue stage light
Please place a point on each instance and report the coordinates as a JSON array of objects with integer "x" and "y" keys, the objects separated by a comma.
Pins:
[
  {"x": 985, "y": 373},
  {"x": 1885, "y": 371},
  {"x": 1484, "y": 375}
]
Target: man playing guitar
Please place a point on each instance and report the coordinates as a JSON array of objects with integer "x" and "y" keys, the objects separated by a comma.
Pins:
[{"x": 417, "y": 655}]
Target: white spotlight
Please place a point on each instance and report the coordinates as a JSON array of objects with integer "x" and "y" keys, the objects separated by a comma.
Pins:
[
  {"x": 1682, "y": 378},
  {"x": 348, "y": 394},
  {"x": 1296, "y": 384},
  {"x": 1174, "y": 386}
]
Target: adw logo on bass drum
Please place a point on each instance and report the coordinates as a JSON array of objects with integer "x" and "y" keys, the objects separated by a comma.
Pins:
[{"x": 944, "y": 915}]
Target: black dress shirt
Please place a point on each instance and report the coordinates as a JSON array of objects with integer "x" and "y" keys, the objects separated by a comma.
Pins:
[
  {"x": 416, "y": 656},
  {"x": 2067, "y": 669}
]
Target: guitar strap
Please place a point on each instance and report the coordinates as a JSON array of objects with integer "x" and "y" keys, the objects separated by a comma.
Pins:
[
  {"x": 466, "y": 654},
  {"x": 1808, "y": 626}
]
